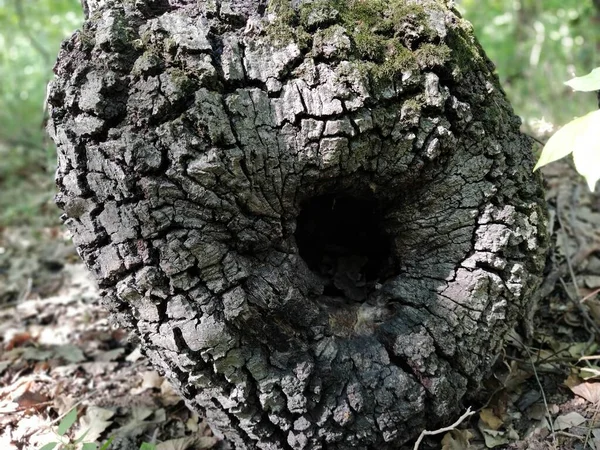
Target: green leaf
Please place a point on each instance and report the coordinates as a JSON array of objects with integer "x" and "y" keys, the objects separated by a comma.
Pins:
[
  {"x": 586, "y": 83},
  {"x": 89, "y": 446},
  {"x": 67, "y": 422},
  {"x": 82, "y": 437},
  {"x": 107, "y": 443},
  {"x": 582, "y": 137},
  {"x": 49, "y": 446},
  {"x": 586, "y": 154},
  {"x": 573, "y": 135},
  {"x": 147, "y": 446}
]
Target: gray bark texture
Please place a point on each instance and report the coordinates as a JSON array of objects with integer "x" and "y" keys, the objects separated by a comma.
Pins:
[{"x": 321, "y": 230}]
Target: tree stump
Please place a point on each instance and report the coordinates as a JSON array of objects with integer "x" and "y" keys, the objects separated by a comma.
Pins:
[{"x": 319, "y": 217}]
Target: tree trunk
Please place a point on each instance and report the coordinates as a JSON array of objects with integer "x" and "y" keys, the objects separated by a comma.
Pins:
[{"x": 319, "y": 217}]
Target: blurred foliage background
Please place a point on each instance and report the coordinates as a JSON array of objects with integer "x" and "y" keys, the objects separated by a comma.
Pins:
[
  {"x": 30, "y": 35},
  {"x": 536, "y": 45}
]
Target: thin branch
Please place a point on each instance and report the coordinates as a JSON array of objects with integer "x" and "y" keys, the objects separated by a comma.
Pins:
[
  {"x": 535, "y": 139},
  {"x": 581, "y": 308},
  {"x": 587, "y": 297},
  {"x": 460, "y": 420},
  {"x": 537, "y": 378}
]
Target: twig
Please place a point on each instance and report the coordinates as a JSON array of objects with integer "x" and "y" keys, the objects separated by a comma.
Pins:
[
  {"x": 537, "y": 378},
  {"x": 424, "y": 433},
  {"x": 587, "y": 297},
  {"x": 590, "y": 422},
  {"x": 581, "y": 308},
  {"x": 543, "y": 144}
]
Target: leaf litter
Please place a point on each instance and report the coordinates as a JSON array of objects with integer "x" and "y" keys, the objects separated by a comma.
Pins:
[
  {"x": 60, "y": 355},
  {"x": 59, "y": 351}
]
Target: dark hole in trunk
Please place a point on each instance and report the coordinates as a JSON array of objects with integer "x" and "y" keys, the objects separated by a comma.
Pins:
[{"x": 341, "y": 238}]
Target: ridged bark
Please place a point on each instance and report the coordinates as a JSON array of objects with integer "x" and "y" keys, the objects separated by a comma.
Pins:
[{"x": 321, "y": 247}]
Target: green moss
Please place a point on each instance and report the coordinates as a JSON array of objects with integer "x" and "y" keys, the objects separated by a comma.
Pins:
[
  {"x": 380, "y": 32},
  {"x": 284, "y": 28},
  {"x": 465, "y": 52},
  {"x": 431, "y": 55},
  {"x": 318, "y": 14}
]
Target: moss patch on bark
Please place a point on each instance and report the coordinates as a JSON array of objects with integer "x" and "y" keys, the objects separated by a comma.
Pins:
[{"x": 387, "y": 37}]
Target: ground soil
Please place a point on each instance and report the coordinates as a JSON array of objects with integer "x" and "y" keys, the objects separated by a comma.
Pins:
[{"x": 59, "y": 350}]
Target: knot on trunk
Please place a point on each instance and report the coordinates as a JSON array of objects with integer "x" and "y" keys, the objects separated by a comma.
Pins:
[{"x": 319, "y": 217}]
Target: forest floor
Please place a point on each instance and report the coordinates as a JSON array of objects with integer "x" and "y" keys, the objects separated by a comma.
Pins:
[{"x": 58, "y": 351}]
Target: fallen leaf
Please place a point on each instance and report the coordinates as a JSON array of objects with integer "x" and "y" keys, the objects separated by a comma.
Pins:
[
  {"x": 29, "y": 399},
  {"x": 491, "y": 421},
  {"x": 151, "y": 379},
  {"x": 137, "y": 423},
  {"x": 580, "y": 349},
  {"x": 596, "y": 434},
  {"x": 109, "y": 355},
  {"x": 537, "y": 411},
  {"x": 572, "y": 380},
  {"x": 3, "y": 366},
  {"x": 589, "y": 391},
  {"x": 94, "y": 422},
  {"x": 494, "y": 438},
  {"x": 36, "y": 354},
  {"x": 17, "y": 340},
  {"x": 135, "y": 355},
  {"x": 70, "y": 353},
  {"x": 591, "y": 281},
  {"x": 8, "y": 407},
  {"x": 457, "y": 440},
  {"x": 588, "y": 373},
  {"x": 594, "y": 307},
  {"x": 168, "y": 395},
  {"x": 195, "y": 441},
  {"x": 566, "y": 421}
]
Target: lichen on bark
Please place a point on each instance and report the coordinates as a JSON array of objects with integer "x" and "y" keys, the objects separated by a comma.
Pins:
[{"x": 320, "y": 218}]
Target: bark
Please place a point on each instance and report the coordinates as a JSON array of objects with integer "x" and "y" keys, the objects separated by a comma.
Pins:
[{"x": 322, "y": 244}]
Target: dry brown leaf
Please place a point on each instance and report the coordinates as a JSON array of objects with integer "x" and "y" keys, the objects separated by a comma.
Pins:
[
  {"x": 516, "y": 377},
  {"x": 589, "y": 391},
  {"x": 457, "y": 440},
  {"x": 594, "y": 307},
  {"x": 17, "y": 340},
  {"x": 30, "y": 399},
  {"x": 572, "y": 380},
  {"x": 151, "y": 379},
  {"x": 168, "y": 395},
  {"x": 490, "y": 420}
]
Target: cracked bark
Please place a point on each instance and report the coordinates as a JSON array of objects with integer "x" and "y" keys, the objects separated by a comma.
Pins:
[{"x": 316, "y": 257}]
